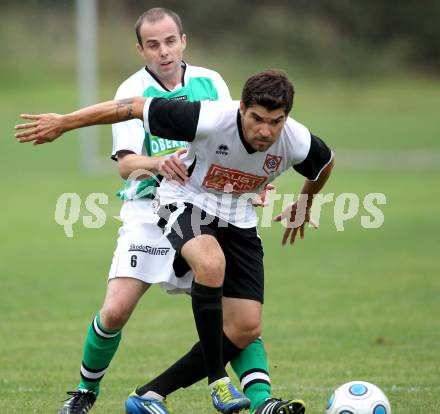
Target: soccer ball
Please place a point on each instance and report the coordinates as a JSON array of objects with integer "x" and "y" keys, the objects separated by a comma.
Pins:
[{"x": 358, "y": 397}]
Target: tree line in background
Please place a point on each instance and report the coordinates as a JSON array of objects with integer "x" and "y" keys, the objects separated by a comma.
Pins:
[
  {"x": 411, "y": 28},
  {"x": 348, "y": 33}
]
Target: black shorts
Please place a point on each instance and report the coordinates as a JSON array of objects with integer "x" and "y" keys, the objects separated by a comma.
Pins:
[{"x": 244, "y": 274}]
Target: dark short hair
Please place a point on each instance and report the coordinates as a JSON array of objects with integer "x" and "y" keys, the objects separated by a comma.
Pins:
[
  {"x": 154, "y": 15},
  {"x": 271, "y": 89}
]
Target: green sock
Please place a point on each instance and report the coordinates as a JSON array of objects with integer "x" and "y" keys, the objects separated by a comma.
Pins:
[
  {"x": 99, "y": 348},
  {"x": 252, "y": 368}
]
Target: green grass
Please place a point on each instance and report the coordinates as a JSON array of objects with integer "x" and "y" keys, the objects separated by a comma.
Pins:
[{"x": 362, "y": 303}]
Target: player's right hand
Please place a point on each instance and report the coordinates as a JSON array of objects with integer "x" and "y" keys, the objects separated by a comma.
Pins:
[
  {"x": 44, "y": 128},
  {"x": 295, "y": 216},
  {"x": 173, "y": 168}
]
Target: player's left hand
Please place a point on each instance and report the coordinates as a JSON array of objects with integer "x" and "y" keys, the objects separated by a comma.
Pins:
[
  {"x": 44, "y": 128},
  {"x": 262, "y": 200},
  {"x": 296, "y": 219},
  {"x": 173, "y": 167}
]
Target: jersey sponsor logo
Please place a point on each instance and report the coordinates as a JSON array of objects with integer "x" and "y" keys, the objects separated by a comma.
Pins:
[
  {"x": 222, "y": 150},
  {"x": 272, "y": 163},
  {"x": 155, "y": 251},
  {"x": 162, "y": 146},
  {"x": 229, "y": 180}
]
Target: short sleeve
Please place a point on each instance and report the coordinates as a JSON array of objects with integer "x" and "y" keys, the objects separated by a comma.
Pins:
[
  {"x": 211, "y": 115},
  {"x": 318, "y": 157},
  {"x": 171, "y": 119},
  {"x": 128, "y": 135}
]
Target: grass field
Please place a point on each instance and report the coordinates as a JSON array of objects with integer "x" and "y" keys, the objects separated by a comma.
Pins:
[{"x": 357, "y": 304}]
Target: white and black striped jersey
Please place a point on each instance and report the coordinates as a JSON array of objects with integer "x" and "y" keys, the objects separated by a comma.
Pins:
[{"x": 225, "y": 172}]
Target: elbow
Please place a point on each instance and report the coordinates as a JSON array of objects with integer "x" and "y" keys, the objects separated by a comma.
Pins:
[
  {"x": 123, "y": 171},
  {"x": 124, "y": 165},
  {"x": 138, "y": 107}
]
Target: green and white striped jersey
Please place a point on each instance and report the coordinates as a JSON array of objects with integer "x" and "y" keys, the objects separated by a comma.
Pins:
[{"x": 198, "y": 84}]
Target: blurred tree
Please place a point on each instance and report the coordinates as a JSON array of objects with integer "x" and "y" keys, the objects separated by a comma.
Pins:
[
  {"x": 410, "y": 26},
  {"x": 348, "y": 33}
]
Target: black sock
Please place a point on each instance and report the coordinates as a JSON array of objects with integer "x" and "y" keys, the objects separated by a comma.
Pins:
[
  {"x": 208, "y": 316},
  {"x": 187, "y": 370}
]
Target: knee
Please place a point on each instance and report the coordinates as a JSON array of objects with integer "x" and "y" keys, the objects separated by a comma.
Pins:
[
  {"x": 249, "y": 333},
  {"x": 113, "y": 317},
  {"x": 242, "y": 333},
  {"x": 210, "y": 271}
]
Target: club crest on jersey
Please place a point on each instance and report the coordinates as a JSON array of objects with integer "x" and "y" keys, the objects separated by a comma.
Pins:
[
  {"x": 229, "y": 180},
  {"x": 272, "y": 163},
  {"x": 222, "y": 150}
]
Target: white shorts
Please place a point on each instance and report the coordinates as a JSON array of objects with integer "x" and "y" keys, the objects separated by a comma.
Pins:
[{"x": 143, "y": 252}]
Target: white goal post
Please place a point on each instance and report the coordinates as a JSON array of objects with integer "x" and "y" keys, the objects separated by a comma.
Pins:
[{"x": 87, "y": 68}]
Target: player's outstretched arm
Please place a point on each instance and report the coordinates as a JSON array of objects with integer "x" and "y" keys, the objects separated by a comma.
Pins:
[
  {"x": 298, "y": 213},
  {"x": 48, "y": 127}
]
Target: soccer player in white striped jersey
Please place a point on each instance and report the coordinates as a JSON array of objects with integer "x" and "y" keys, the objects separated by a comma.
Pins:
[
  {"x": 139, "y": 261},
  {"x": 236, "y": 149}
]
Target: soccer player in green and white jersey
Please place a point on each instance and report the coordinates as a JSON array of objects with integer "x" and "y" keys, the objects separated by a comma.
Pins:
[{"x": 144, "y": 257}]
